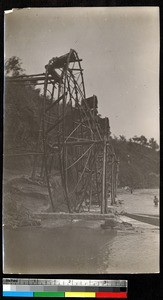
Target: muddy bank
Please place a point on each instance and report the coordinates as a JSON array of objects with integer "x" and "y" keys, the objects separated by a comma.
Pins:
[
  {"x": 22, "y": 197},
  {"x": 26, "y": 203}
]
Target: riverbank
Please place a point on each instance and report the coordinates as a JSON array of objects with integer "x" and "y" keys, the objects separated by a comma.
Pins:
[
  {"x": 82, "y": 248},
  {"x": 36, "y": 240},
  {"x": 70, "y": 248}
]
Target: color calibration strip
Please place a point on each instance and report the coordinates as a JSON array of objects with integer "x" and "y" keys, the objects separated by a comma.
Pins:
[{"x": 116, "y": 289}]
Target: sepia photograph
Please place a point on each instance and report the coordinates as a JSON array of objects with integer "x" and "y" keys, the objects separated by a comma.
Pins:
[{"x": 81, "y": 150}]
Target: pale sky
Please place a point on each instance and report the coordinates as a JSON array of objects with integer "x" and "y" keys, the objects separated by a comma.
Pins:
[{"x": 120, "y": 51}]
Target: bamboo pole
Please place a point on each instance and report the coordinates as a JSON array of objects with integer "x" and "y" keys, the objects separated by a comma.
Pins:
[
  {"x": 38, "y": 142},
  {"x": 112, "y": 182},
  {"x": 106, "y": 201},
  {"x": 98, "y": 196},
  {"x": 44, "y": 144},
  {"x": 90, "y": 197},
  {"x": 103, "y": 202},
  {"x": 117, "y": 173}
]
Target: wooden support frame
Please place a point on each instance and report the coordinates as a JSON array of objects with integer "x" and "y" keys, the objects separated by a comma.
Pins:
[{"x": 84, "y": 141}]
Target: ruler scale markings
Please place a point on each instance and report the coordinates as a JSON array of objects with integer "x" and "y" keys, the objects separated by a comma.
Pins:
[
  {"x": 25, "y": 287},
  {"x": 66, "y": 282},
  {"x": 63, "y": 288}
]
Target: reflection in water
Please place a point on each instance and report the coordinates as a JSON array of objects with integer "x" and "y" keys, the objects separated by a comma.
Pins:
[
  {"x": 80, "y": 250},
  {"x": 57, "y": 250}
]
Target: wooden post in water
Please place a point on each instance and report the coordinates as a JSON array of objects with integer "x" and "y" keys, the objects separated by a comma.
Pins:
[
  {"x": 104, "y": 199},
  {"x": 117, "y": 173},
  {"x": 112, "y": 181},
  {"x": 98, "y": 195},
  {"x": 90, "y": 196},
  {"x": 103, "y": 202}
]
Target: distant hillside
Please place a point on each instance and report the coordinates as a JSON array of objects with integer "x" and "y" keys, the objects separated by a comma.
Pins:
[{"x": 139, "y": 164}]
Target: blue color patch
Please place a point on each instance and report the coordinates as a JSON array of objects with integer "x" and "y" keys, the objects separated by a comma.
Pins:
[{"x": 17, "y": 294}]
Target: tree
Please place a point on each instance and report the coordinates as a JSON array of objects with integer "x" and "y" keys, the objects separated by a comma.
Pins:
[
  {"x": 153, "y": 144},
  {"x": 115, "y": 137},
  {"x": 22, "y": 109},
  {"x": 143, "y": 140},
  {"x": 13, "y": 66},
  {"x": 122, "y": 138},
  {"x": 136, "y": 139}
]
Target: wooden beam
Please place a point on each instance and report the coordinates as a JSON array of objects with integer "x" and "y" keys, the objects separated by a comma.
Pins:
[{"x": 55, "y": 102}]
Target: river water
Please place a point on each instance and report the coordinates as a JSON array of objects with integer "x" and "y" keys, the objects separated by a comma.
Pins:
[
  {"x": 84, "y": 248},
  {"x": 141, "y": 201},
  {"x": 136, "y": 252}
]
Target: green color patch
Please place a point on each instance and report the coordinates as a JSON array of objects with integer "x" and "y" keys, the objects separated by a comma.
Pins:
[{"x": 49, "y": 294}]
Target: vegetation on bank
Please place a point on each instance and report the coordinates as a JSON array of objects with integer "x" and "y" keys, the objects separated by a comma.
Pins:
[
  {"x": 139, "y": 163},
  {"x": 139, "y": 157}
]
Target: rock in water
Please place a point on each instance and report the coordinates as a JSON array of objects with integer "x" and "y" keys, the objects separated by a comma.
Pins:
[
  {"x": 110, "y": 223},
  {"x": 127, "y": 224}
]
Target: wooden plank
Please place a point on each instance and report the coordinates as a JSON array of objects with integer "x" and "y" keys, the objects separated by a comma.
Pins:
[{"x": 27, "y": 79}]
